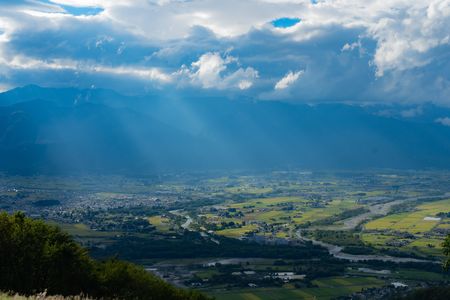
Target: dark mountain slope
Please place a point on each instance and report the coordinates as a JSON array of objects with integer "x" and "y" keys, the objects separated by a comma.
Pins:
[{"x": 147, "y": 134}]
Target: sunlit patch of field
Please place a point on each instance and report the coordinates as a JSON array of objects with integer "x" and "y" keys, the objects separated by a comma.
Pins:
[
  {"x": 427, "y": 246},
  {"x": 412, "y": 222},
  {"x": 248, "y": 190},
  {"x": 270, "y": 216},
  {"x": 376, "y": 239},
  {"x": 334, "y": 207},
  {"x": 237, "y": 232},
  {"x": 82, "y": 230},
  {"x": 161, "y": 223},
  {"x": 282, "y": 234},
  {"x": 268, "y": 202},
  {"x": 444, "y": 226},
  {"x": 222, "y": 180}
]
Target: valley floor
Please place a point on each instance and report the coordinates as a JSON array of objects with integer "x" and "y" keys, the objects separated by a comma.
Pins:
[{"x": 251, "y": 235}]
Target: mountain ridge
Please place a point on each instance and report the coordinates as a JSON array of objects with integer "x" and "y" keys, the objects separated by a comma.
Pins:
[{"x": 64, "y": 130}]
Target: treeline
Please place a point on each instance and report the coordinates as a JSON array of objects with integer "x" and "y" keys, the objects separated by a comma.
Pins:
[
  {"x": 35, "y": 257},
  {"x": 433, "y": 293},
  {"x": 196, "y": 246}
]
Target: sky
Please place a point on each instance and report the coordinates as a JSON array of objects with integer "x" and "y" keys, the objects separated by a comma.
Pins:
[{"x": 349, "y": 51}]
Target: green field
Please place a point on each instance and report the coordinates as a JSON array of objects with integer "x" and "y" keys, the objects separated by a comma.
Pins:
[
  {"x": 161, "y": 223},
  {"x": 237, "y": 232},
  {"x": 412, "y": 222},
  {"x": 327, "y": 288},
  {"x": 384, "y": 231}
]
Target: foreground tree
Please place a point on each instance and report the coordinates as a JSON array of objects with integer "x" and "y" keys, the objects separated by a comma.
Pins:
[
  {"x": 446, "y": 249},
  {"x": 35, "y": 257},
  {"x": 435, "y": 293}
]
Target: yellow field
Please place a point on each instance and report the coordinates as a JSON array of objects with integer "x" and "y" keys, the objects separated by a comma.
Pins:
[
  {"x": 161, "y": 223},
  {"x": 412, "y": 222},
  {"x": 268, "y": 202},
  {"x": 237, "y": 232},
  {"x": 333, "y": 208}
]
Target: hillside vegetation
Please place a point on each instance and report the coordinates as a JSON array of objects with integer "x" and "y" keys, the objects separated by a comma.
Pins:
[{"x": 36, "y": 257}]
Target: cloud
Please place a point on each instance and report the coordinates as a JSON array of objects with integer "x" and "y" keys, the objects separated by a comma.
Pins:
[
  {"x": 412, "y": 112},
  {"x": 376, "y": 51},
  {"x": 288, "y": 80},
  {"x": 209, "y": 72},
  {"x": 444, "y": 121}
]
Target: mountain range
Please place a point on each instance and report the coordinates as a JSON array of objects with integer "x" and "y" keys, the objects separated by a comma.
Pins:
[{"x": 63, "y": 130}]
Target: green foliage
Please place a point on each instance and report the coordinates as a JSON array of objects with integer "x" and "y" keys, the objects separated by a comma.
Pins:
[
  {"x": 35, "y": 257},
  {"x": 195, "y": 246},
  {"x": 434, "y": 293},
  {"x": 446, "y": 250}
]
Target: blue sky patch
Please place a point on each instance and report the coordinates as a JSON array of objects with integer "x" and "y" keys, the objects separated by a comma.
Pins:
[
  {"x": 285, "y": 22},
  {"x": 78, "y": 11},
  {"x": 85, "y": 11}
]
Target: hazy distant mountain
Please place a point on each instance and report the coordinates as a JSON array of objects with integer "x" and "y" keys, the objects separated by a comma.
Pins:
[{"x": 56, "y": 130}]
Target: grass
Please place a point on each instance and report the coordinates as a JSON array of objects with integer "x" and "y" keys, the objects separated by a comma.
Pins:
[
  {"x": 376, "y": 239},
  {"x": 420, "y": 275},
  {"x": 411, "y": 222},
  {"x": 237, "y": 232},
  {"x": 268, "y": 202},
  {"x": 161, "y": 223},
  {"x": 83, "y": 231},
  {"x": 331, "y": 209}
]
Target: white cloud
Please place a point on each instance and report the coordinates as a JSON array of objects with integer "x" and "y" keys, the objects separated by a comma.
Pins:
[
  {"x": 412, "y": 112},
  {"x": 210, "y": 72},
  {"x": 444, "y": 121},
  {"x": 245, "y": 84},
  {"x": 25, "y": 63},
  {"x": 357, "y": 51},
  {"x": 208, "y": 69},
  {"x": 288, "y": 80}
]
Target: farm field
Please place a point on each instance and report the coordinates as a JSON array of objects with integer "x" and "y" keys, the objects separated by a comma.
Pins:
[
  {"x": 420, "y": 230},
  {"x": 235, "y": 236},
  {"x": 327, "y": 288}
]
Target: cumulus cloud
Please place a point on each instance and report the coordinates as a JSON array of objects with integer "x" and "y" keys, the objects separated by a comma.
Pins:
[
  {"x": 209, "y": 72},
  {"x": 288, "y": 80}
]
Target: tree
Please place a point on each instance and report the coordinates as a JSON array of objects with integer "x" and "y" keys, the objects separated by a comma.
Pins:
[
  {"x": 35, "y": 257},
  {"x": 446, "y": 249}
]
